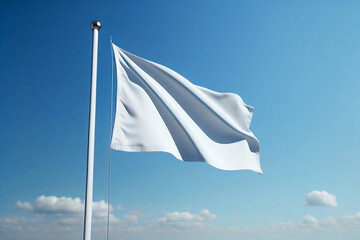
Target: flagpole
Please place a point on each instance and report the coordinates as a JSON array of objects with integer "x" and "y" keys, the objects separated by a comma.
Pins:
[{"x": 95, "y": 27}]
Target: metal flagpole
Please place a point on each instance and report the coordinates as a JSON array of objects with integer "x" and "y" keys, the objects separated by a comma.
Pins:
[{"x": 95, "y": 27}]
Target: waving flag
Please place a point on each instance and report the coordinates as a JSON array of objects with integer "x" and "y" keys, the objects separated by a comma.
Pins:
[{"x": 159, "y": 110}]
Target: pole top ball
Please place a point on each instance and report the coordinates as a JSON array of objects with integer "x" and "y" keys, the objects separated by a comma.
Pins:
[{"x": 95, "y": 25}]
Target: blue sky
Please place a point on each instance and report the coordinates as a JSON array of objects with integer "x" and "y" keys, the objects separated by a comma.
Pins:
[{"x": 296, "y": 62}]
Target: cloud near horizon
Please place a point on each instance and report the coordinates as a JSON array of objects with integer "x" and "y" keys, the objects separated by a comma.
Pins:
[
  {"x": 52, "y": 217},
  {"x": 320, "y": 198},
  {"x": 185, "y": 220},
  {"x": 61, "y": 205},
  {"x": 62, "y": 218}
]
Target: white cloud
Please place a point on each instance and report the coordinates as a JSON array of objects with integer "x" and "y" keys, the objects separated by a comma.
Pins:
[
  {"x": 182, "y": 220},
  {"x": 56, "y": 218},
  {"x": 182, "y": 225},
  {"x": 182, "y": 216},
  {"x": 52, "y": 204},
  {"x": 309, "y": 220},
  {"x": 24, "y": 206},
  {"x": 320, "y": 198},
  {"x": 101, "y": 208},
  {"x": 62, "y": 205},
  {"x": 67, "y": 224},
  {"x": 339, "y": 228},
  {"x": 207, "y": 215}
]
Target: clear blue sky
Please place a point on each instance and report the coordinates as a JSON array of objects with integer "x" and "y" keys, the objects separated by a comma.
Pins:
[{"x": 296, "y": 62}]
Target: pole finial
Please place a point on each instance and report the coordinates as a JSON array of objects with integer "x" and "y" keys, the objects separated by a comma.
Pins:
[{"x": 95, "y": 25}]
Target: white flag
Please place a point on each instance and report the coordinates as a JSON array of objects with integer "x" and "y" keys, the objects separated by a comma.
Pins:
[{"x": 159, "y": 110}]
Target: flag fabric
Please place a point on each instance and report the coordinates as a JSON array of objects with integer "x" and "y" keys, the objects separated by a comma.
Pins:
[{"x": 159, "y": 110}]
